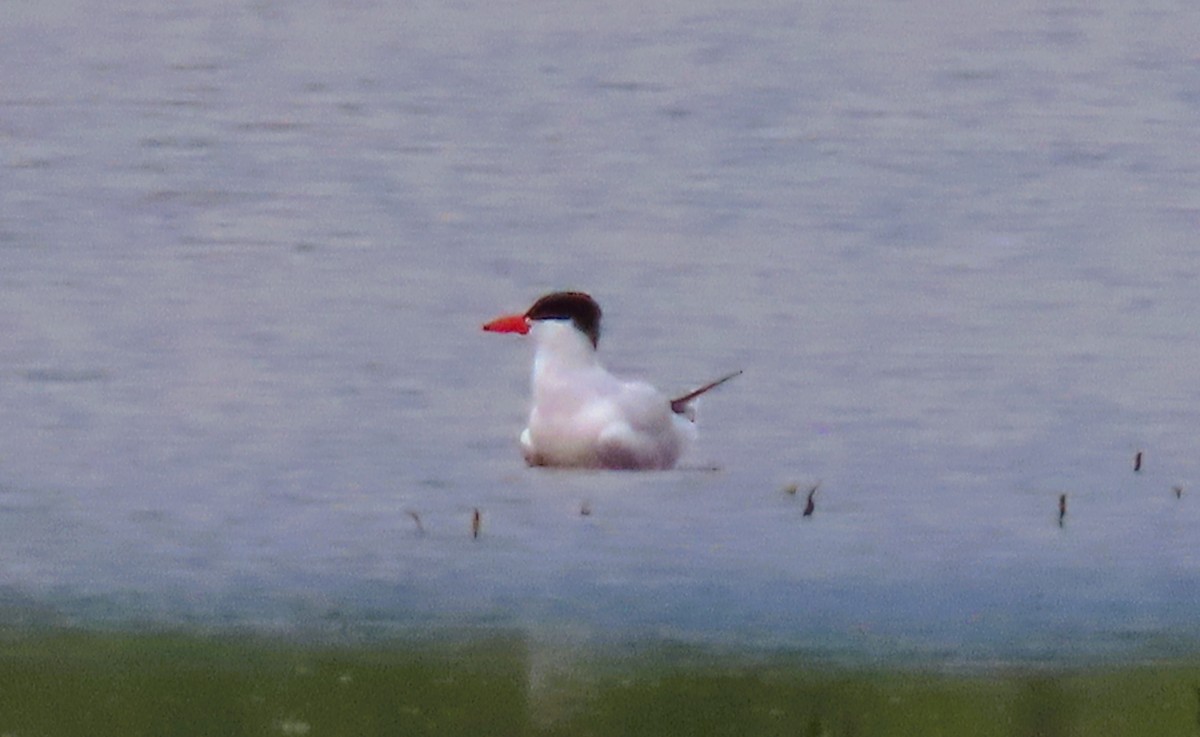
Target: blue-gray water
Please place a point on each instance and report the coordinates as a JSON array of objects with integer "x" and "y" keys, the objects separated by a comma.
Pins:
[{"x": 246, "y": 248}]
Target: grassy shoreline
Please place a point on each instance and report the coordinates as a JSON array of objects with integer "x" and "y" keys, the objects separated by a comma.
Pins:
[{"x": 70, "y": 682}]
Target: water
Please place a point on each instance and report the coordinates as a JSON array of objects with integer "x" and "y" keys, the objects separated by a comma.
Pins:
[{"x": 247, "y": 249}]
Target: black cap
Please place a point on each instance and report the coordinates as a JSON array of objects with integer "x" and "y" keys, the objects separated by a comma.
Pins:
[{"x": 577, "y": 307}]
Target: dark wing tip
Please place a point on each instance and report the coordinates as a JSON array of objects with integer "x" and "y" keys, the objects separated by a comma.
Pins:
[{"x": 679, "y": 404}]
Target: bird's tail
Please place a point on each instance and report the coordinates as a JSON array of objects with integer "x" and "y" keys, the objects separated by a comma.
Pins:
[{"x": 683, "y": 405}]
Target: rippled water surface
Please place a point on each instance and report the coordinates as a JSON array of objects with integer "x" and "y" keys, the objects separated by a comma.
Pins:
[{"x": 246, "y": 249}]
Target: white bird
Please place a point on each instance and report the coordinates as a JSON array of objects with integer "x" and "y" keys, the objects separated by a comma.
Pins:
[{"x": 583, "y": 416}]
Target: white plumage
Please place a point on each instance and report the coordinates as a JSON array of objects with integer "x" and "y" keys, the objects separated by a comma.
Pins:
[{"x": 583, "y": 416}]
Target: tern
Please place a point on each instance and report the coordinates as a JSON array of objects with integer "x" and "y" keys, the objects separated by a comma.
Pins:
[{"x": 583, "y": 416}]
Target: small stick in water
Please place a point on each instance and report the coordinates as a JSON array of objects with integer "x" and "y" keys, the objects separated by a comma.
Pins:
[
  {"x": 1137, "y": 462},
  {"x": 1178, "y": 491},
  {"x": 1062, "y": 509},
  {"x": 810, "y": 506},
  {"x": 476, "y": 523},
  {"x": 417, "y": 518}
]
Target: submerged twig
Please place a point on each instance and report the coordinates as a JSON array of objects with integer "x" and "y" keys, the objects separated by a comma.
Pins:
[
  {"x": 810, "y": 506},
  {"x": 417, "y": 519}
]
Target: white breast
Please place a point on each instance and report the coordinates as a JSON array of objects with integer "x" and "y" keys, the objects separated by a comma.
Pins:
[{"x": 583, "y": 416}]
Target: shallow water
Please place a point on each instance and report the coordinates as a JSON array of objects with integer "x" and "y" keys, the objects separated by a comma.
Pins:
[{"x": 247, "y": 248}]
